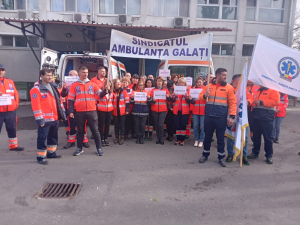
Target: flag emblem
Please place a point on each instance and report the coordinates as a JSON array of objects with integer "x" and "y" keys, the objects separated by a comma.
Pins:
[{"x": 288, "y": 68}]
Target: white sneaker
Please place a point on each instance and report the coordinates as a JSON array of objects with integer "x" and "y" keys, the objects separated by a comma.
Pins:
[
  {"x": 200, "y": 144},
  {"x": 196, "y": 143}
]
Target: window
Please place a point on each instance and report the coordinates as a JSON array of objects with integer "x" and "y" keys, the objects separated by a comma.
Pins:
[
  {"x": 172, "y": 8},
  {"x": 216, "y": 9},
  {"x": 70, "y": 5},
  {"x": 130, "y": 7},
  {"x": 247, "y": 50},
  {"x": 265, "y": 10},
  {"x": 19, "y": 41},
  {"x": 223, "y": 49},
  {"x": 229, "y": 10},
  {"x": 31, "y": 5},
  {"x": 7, "y": 4}
]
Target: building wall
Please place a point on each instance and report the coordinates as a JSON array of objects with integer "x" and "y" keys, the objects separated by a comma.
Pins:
[{"x": 243, "y": 32}]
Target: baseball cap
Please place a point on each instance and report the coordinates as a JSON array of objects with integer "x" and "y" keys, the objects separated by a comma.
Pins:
[{"x": 2, "y": 67}]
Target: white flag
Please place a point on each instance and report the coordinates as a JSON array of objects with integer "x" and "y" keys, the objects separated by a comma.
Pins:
[{"x": 275, "y": 66}]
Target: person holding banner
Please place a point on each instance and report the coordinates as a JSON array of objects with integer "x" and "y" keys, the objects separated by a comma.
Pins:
[
  {"x": 8, "y": 109},
  {"x": 104, "y": 111},
  {"x": 121, "y": 107},
  {"x": 160, "y": 97},
  {"x": 221, "y": 102},
  {"x": 129, "y": 123},
  {"x": 149, "y": 122},
  {"x": 279, "y": 116},
  {"x": 198, "y": 109},
  {"x": 141, "y": 101},
  {"x": 181, "y": 110},
  {"x": 264, "y": 107},
  {"x": 251, "y": 88}
]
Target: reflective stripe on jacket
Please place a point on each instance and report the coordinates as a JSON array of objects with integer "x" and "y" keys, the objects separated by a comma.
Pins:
[
  {"x": 7, "y": 86},
  {"x": 105, "y": 103},
  {"x": 185, "y": 106},
  {"x": 197, "y": 106}
]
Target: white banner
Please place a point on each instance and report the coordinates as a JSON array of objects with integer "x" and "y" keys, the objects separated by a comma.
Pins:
[
  {"x": 70, "y": 80},
  {"x": 140, "y": 96},
  {"x": 189, "y": 81},
  {"x": 195, "y": 93},
  {"x": 180, "y": 90},
  {"x": 275, "y": 66},
  {"x": 190, "y": 47},
  {"x": 5, "y": 99},
  {"x": 159, "y": 95},
  {"x": 149, "y": 89}
]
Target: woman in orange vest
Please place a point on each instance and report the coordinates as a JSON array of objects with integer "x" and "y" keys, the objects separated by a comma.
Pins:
[
  {"x": 105, "y": 109},
  {"x": 129, "y": 118},
  {"x": 181, "y": 112},
  {"x": 140, "y": 111},
  {"x": 121, "y": 109},
  {"x": 198, "y": 109},
  {"x": 159, "y": 108},
  {"x": 279, "y": 116},
  {"x": 149, "y": 122}
]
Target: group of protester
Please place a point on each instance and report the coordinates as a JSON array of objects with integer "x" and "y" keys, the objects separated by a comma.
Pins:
[{"x": 95, "y": 102}]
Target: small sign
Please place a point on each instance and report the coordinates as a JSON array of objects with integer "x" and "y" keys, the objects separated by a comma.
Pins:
[
  {"x": 195, "y": 93},
  {"x": 180, "y": 90},
  {"x": 159, "y": 95},
  {"x": 70, "y": 80},
  {"x": 189, "y": 81},
  {"x": 164, "y": 73},
  {"x": 149, "y": 89},
  {"x": 140, "y": 96},
  {"x": 5, "y": 99}
]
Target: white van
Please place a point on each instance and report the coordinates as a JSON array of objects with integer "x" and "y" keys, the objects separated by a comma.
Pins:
[{"x": 67, "y": 62}]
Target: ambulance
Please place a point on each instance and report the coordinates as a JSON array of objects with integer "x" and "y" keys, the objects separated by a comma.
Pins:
[{"x": 72, "y": 61}]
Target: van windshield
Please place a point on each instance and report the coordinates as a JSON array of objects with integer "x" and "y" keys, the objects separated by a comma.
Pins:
[{"x": 188, "y": 71}]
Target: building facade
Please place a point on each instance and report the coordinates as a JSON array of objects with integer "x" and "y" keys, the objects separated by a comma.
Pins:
[{"x": 85, "y": 25}]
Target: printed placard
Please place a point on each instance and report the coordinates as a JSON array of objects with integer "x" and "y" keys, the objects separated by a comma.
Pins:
[
  {"x": 140, "y": 96},
  {"x": 149, "y": 89},
  {"x": 164, "y": 73},
  {"x": 70, "y": 80},
  {"x": 5, "y": 99},
  {"x": 189, "y": 81},
  {"x": 195, "y": 93},
  {"x": 180, "y": 90},
  {"x": 159, "y": 95}
]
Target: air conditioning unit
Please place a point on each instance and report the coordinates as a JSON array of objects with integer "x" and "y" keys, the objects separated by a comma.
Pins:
[
  {"x": 125, "y": 19},
  {"x": 181, "y": 22},
  {"x": 77, "y": 17},
  {"x": 24, "y": 15}
]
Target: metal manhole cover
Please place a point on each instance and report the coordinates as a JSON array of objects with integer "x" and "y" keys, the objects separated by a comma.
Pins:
[{"x": 59, "y": 190}]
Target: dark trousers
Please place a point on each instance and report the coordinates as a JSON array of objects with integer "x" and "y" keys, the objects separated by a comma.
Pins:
[
  {"x": 92, "y": 120},
  {"x": 210, "y": 124},
  {"x": 250, "y": 121},
  {"x": 119, "y": 122},
  {"x": 129, "y": 124},
  {"x": 265, "y": 128},
  {"x": 149, "y": 124},
  {"x": 49, "y": 133},
  {"x": 73, "y": 131},
  {"x": 170, "y": 123},
  {"x": 159, "y": 119},
  {"x": 10, "y": 120},
  {"x": 104, "y": 119},
  {"x": 180, "y": 124},
  {"x": 139, "y": 123}
]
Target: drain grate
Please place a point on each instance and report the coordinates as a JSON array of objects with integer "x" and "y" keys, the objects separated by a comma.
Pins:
[{"x": 59, "y": 190}]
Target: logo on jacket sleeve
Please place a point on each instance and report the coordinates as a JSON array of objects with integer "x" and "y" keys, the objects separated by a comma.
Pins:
[
  {"x": 90, "y": 88},
  {"x": 77, "y": 88},
  {"x": 34, "y": 96},
  {"x": 288, "y": 68},
  {"x": 122, "y": 96},
  {"x": 11, "y": 86}
]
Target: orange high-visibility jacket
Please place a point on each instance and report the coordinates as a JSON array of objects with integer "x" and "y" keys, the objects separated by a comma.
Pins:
[
  {"x": 160, "y": 105},
  {"x": 185, "y": 106},
  {"x": 283, "y": 104},
  {"x": 197, "y": 106},
  {"x": 120, "y": 100},
  {"x": 7, "y": 86},
  {"x": 97, "y": 81},
  {"x": 269, "y": 99},
  {"x": 105, "y": 102},
  {"x": 252, "y": 89},
  {"x": 82, "y": 96},
  {"x": 249, "y": 96},
  {"x": 220, "y": 100},
  {"x": 45, "y": 106}
]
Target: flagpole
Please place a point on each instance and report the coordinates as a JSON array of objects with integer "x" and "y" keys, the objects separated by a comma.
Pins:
[
  {"x": 208, "y": 79},
  {"x": 209, "y": 64}
]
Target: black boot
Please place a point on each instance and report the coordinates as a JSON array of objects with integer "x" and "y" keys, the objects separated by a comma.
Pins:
[
  {"x": 69, "y": 145},
  {"x": 86, "y": 145},
  {"x": 141, "y": 139},
  {"x": 222, "y": 162},
  {"x": 137, "y": 140}
]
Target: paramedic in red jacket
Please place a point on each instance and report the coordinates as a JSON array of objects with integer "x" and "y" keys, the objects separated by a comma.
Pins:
[
  {"x": 279, "y": 116},
  {"x": 8, "y": 112}
]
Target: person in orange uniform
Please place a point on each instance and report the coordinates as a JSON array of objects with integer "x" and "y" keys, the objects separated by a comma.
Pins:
[
  {"x": 159, "y": 109},
  {"x": 264, "y": 107},
  {"x": 104, "y": 110},
  {"x": 121, "y": 109},
  {"x": 251, "y": 88},
  {"x": 140, "y": 111},
  {"x": 134, "y": 80},
  {"x": 47, "y": 109},
  {"x": 279, "y": 116},
  {"x": 230, "y": 142},
  {"x": 198, "y": 107},
  {"x": 181, "y": 110},
  {"x": 100, "y": 79},
  {"x": 221, "y": 102},
  {"x": 129, "y": 122},
  {"x": 8, "y": 112},
  {"x": 82, "y": 98}
]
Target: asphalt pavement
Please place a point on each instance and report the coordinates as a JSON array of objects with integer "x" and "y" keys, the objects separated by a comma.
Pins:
[{"x": 150, "y": 184}]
